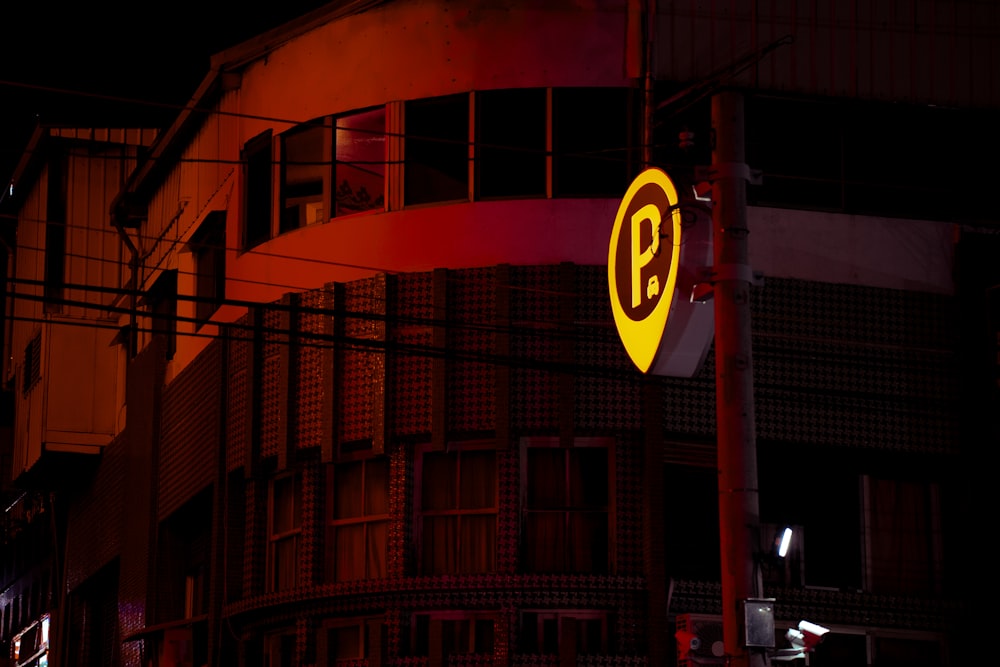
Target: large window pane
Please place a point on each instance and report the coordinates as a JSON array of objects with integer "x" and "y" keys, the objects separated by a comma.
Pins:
[
  {"x": 348, "y": 490},
  {"x": 257, "y": 190},
  {"x": 439, "y": 544},
  {"x": 302, "y": 172},
  {"x": 285, "y": 525},
  {"x": 903, "y": 537},
  {"x": 545, "y": 541},
  {"x": 567, "y": 509},
  {"x": 592, "y": 141},
  {"x": 438, "y": 490},
  {"x": 510, "y": 143},
  {"x": 478, "y": 479},
  {"x": 359, "y": 172},
  {"x": 477, "y": 543},
  {"x": 458, "y": 507},
  {"x": 437, "y": 150},
  {"x": 358, "y": 519},
  {"x": 349, "y": 546},
  {"x": 546, "y": 477}
]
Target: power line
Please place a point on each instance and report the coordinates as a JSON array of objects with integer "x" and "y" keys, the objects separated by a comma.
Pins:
[
  {"x": 321, "y": 340},
  {"x": 554, "y": 328}
]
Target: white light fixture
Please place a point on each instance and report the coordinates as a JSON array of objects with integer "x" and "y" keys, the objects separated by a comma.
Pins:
[{"x": 784, "y": 542}]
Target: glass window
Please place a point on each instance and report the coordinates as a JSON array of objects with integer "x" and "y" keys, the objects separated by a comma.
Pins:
[
  {"x": 566, "y": 633},
  {"x": 358, "y": 520},
  {"x": 302, "y": 174},
  {"x": 284, "y": 529},
  {"x": 352, "y": 641},
  {"x": 803, "y": 171},
  {"x": 825, "y": 508},
  {"x": 209, "y": 247},
  {"x": 458, "y": 511},
  {"x": 903, "y": 536},
  {"x": 359, "y": 169},
  {"x": 279, "y": 649},
  {"x": 161, "y": 300},
  {"x": 257, "y": 190},
  {"x": 566, "y": 510},
  {"x": 593, "y": 132},
  {"x": 436, "y": 145},
  {"x": 460, "y": 633},
  {"x": 510, "y": 143}
]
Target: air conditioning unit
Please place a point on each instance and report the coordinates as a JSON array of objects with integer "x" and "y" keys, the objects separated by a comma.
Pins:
[{"x": 699, "y": 640}]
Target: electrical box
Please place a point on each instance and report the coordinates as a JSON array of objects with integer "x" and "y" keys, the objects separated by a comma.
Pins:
[{"x": 758, "y": 618}]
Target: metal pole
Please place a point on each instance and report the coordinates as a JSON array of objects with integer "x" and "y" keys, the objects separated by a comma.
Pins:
[{"x": 739, "y": 516}]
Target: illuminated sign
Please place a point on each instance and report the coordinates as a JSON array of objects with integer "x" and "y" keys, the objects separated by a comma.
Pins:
[{"x": 653, "y": 264}]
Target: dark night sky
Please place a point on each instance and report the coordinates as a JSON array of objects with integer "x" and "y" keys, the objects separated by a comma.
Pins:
[{"x": 154, "y": 53}]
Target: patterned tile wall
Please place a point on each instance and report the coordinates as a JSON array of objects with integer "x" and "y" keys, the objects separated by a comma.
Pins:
[
  {"x": 838, "y": 365},
  {"x": 854, "y": 366},
  {"x": 240, "y": 354},
  {"x": 471, "y": 322},
  {"x": 308, "y": 375},
  {"x": 190, "y": 431},
  {"x": 608, "y": 389},
  {"x": 410, "y": 365},
  {"x": 534, "y": 299},
  {"x": 94, "y": 529},
  {"x": 361, "y": 382},
  {"x": 274, "y": 339}
]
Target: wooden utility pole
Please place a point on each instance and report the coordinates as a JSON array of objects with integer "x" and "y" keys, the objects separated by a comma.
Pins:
[{"x": 739, "y": 515}]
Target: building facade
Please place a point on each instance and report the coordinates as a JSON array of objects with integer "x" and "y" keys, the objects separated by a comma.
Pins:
[{"x": 326, "y": 373}]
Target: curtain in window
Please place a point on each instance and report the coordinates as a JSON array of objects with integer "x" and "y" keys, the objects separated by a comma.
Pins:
[
  {"x": 377, "y": 538},
  {"x": 459, "y": 504},
  {"x": 285, "y": 519},
  {"x": 358, "y": 544},
  {"x": 901, "y": 546},
  {"x": 440, "y": 533},
  {"x": 545, "y": 541},
  {"x": 566, "y": 523},
  {"x": 478, "y": 543},
  {"x": 345, "y": 643},
  {"x": 285, "y": 562}
]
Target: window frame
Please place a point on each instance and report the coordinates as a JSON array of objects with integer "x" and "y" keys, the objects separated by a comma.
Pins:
[
  {"x": 208, "y": 248},
  {"x": 274, "y": 644},
  {"x": 572, "y": 148},
  {"x": 322, "y": 127},
  {"x": 293, "y": 534},
  {"x": 161, "y": 303},
  {"x": 364, "y": 519},
  {"x": 420, "y": 513},
  {"x": 559, "y": 616},
  {"x": 365, "y": 625},
  {"x": 381, "y": 206},
  {"x": 505, "y": 154},
  {"x": 411, "y": 142},
  {"x": 257, "y": 216},
  {"x": 932, "y": 545},
  {"x": 606, "y": 443},
  {"x": 420, "y": 646}
]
